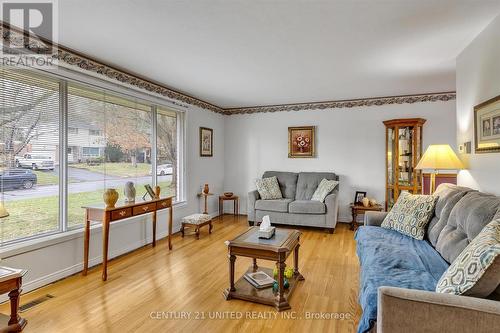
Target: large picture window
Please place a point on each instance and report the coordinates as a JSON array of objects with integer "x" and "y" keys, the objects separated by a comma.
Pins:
[{"x": 110, "y": 140}]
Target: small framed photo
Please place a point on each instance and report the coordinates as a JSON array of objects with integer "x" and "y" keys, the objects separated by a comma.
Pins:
[
  {"x": 487, "y": 126},
  {"x": 359, "y": 196},
  {"x": 149, "y": 191},
  {"x": 206, "y": 142}
]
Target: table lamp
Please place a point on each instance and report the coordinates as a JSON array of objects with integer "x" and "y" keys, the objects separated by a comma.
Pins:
[{"x": 439, "y": 157}]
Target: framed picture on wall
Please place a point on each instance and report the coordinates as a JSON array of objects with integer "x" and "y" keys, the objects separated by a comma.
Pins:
[
  {"x": 301, "y": 141},
  {"x": 206, "y": 142},
  {"x": 487, "y": 126}
]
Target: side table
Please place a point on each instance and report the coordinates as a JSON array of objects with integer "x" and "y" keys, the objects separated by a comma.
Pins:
[
  {"x": 236, "y": 202},
  {"x": 205, "y": 196},
  {"x": 14, "y": 323},
  {"x": 359, "y": 209}
]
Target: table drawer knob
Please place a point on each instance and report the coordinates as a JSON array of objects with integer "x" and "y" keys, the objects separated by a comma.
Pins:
[
  {"x": 123, "y": 213},
  {"x": 163, "y": 204},
  {"x": 145, "y": 208}
]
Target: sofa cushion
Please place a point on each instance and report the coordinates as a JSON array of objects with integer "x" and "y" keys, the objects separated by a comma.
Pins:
[
  {"x": 411, "y": 214},
  {"x": 467, "y": 218},
  {"x": 389, "y": 258},
  {"x": 476, "y": 271},
  {"x": 449, "y": 195},
  {"x": 324, "y": 187},
  {"x": 286, "y": 180},
  {"x": 278, "y": 205},
  {"x": 308, "y": 182},
  {"x": 268, "y": 188},
  {"x": 307, "y": 207}
]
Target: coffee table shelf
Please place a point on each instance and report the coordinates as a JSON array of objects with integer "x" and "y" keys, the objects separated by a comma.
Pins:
[{"x": 245, "y": 291}]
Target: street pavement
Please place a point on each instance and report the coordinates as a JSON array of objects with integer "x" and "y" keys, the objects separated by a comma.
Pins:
[{"x": 87, "y": 181}]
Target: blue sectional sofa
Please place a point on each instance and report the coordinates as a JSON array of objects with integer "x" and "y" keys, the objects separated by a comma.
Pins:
[{"x": 399, "y": 274}]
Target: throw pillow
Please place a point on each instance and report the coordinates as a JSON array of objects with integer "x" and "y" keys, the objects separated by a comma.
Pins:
[
  {"x": 411, "y": 214},
  {"x": 268, "y": 188},
  {"x": 324, "y": 187},
  {"x": 476, "y": 271}
]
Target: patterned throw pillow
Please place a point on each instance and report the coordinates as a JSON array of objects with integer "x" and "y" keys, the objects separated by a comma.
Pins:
[
  {"x": 268, "y": 188},
  {"x": 411, "y": 214},
  {"x": 324, "y": 187},
  {"x": 476, "y": 271}
]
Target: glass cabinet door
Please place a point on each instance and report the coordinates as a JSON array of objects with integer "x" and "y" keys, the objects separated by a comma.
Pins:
[{"x": 405, "y": 156}]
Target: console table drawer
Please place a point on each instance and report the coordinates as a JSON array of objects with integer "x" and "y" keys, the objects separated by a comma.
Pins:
[
  {"x": 144, "y": 208},
  {"x": 164, "y": 204},
  {"x": 121, "y": 214}
]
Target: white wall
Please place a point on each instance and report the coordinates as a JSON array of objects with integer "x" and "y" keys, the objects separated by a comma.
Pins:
[
  {"x": 349, "y": 142},
  {"x": 478, "y": 79},
  {"x": 59, "y": 258}
]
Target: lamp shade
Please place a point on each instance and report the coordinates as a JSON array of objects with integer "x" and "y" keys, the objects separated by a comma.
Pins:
[
  {"x": 440, "y": 157},
  {"x": 3, "y": 211}
]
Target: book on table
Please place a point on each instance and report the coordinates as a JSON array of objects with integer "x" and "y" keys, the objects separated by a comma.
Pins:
[
  {"x": 7, "y": 273},
  {"x": 259, "y": 279}
]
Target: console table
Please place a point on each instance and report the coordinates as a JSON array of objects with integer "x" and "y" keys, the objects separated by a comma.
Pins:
[{"x": 122, "y": 210}]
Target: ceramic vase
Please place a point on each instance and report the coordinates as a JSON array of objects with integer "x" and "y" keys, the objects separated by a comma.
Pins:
[
  {"x": 206, "y": 190},
  {"x": 110, "y": 197},
  {"x": 157, "y": 191},
  {"x": 366, "y": 202},
  {"x": 129, "y": 192},
  {"x": 373, "y": 202}
]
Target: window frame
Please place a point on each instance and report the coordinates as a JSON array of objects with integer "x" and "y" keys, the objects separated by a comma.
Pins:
[{"x": 64, "y": 77}]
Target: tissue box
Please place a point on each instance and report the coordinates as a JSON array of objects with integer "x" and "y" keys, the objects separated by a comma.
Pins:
[{"x": 266, "y": 233}]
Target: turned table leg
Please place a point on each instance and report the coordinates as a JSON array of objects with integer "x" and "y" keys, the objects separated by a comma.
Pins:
[
  {"x": 254, "y": 266},
  {"x": 232, "y": 260},
  {"x": 354, "y": 218}
]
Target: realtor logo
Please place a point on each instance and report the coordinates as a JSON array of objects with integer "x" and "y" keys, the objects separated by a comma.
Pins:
[{"x": 38, "y": 21}]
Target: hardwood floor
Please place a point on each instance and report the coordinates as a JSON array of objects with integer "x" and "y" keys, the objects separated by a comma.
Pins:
[{"x": 146, "y": 286}]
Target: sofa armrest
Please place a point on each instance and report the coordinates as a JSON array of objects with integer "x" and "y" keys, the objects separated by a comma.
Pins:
[
  {"x": 426, "y": 311},
  {"x": 332, "y": 208},
  {"x": 252, "y": 197},
  {"x": 374, "y": 218}
]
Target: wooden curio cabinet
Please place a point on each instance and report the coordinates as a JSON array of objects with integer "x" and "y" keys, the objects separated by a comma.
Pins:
[{"x": 403, "y": 151}]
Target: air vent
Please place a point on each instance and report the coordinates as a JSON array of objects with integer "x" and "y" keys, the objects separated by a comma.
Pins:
[{"x": 35, "y": 302}]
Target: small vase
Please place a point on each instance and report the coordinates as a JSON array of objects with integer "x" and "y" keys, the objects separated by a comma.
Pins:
[
  {"x": 366, "y": 202},
  {"x": 206, "y": 190},
  {"x": 110, "y": 197},
  {"x": 129, "y": 192},
  {"x": 157, "y": 191},
  {"x": 373, "y": 202}
]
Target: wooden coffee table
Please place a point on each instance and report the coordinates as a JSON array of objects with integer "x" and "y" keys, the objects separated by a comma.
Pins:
[{"x": 275, "y": 249}]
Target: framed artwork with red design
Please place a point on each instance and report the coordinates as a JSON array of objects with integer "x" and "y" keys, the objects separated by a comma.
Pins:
[{"x": 301, "y": 141}]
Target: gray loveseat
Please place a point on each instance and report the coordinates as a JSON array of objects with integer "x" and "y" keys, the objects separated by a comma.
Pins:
[
  {"x": 399, "y": 274},
  {"x": 296, "y": 207}
]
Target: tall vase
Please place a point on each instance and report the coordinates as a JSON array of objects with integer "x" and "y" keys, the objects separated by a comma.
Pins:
[
  {"x": 129, "y": 192},
  {"x": 157, "y": 191},
  {"x": 110, "y": 197},
  {"x": 206, "y": 190}
]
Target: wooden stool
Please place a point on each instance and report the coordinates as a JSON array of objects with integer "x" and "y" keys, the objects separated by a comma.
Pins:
[{"x": 196, "y": 221}]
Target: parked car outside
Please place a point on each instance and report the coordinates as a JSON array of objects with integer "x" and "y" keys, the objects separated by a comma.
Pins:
[
  {"x": 35, "y": 162},
  {"x": 11, "y": 179},
  {"x": 164, "y": 169}
]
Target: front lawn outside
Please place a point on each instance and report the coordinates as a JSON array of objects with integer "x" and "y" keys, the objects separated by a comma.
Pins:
[{"x": 121, "y": 169}]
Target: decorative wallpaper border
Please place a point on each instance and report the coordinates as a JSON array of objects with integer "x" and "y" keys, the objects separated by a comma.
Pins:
[
  {"x": 374, "y": 101},
  {"x": 15, "y": 36}
]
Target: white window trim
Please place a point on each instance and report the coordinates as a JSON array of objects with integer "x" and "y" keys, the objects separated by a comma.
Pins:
[{"x": 63, "y": 233}]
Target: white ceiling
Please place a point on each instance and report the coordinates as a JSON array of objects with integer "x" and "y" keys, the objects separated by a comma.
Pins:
[{"x": 246, "y": 53}]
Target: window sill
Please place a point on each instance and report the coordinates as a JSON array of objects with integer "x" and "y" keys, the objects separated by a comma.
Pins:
[{"x": 49, "y": 240}]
